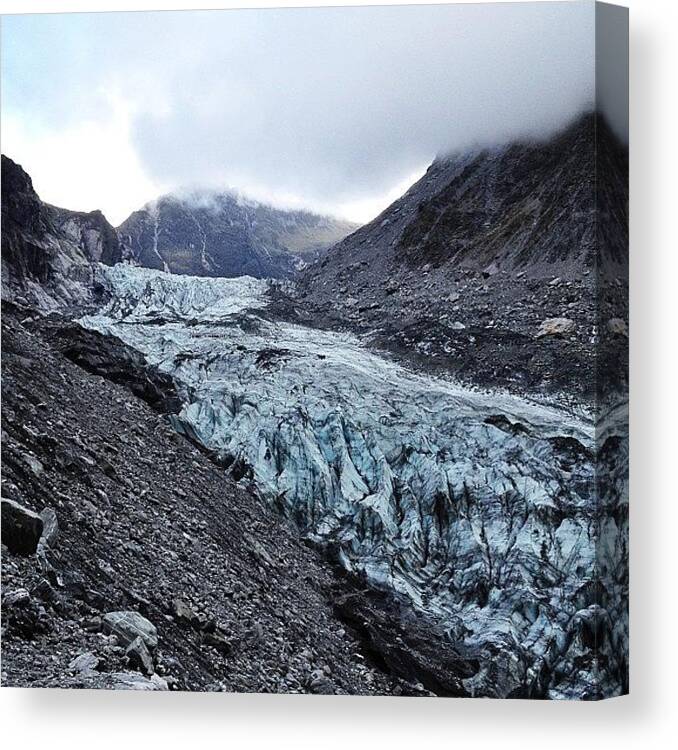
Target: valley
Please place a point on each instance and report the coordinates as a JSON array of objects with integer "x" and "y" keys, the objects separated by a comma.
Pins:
[{"x": 416, "y": 437}]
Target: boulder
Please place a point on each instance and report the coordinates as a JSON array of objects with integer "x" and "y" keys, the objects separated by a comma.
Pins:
[
  {"x": 618, "y": 327},
  {"x": 491, "y": 270},
  {"x": 85, "y": 663},
  {"x": 34, "y": 464},
  {"x": 556, "y": 327},
  {"x": 135, "y": 681},
  {"x": 184, "y": 615},
  {"x": 23, "y": 616},
  {"x": 21, "y": 528},
  {"x": 320, "y": 684},
  {"x": 140, "y": 657},
  {"x": 392, "y": 287},
  {"x": 50, "y": 528},
  {"x": 261, "y": 554},
  {"x": 16, "y": 598},
  {"x": 127, "y": 626}
]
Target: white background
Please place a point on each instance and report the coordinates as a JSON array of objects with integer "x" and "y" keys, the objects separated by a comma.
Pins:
[{"x": 646, "y": 719}]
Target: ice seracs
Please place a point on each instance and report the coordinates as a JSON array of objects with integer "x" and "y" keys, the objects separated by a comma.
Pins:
[{"x": 479, "y": 508}]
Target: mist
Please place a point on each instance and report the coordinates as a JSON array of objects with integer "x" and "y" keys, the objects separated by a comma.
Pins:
[{"x": 335, "y": 109}]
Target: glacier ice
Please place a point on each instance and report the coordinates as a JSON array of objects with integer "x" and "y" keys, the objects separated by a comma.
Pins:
[{"x": 478, "y": 507}]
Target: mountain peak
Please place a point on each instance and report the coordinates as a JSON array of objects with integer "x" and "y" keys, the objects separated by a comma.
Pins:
[
  {"x": 48, "y": 252},
  {"x": 224, "y": 233}
]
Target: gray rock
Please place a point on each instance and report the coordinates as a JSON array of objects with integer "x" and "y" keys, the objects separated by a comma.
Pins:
[
  {"x": 618, "y": 327},
  {"x": 140, "y": 657},
  {"x": 136, "y": 681},
  {"x": 85, "y": 663},
  {"x": 158, "y": 682},
  {"x": 491, "y": 270},
  {"x": 21, "y": 528},
  {"x": 320, "y": 684},
  {"x": 45, "y": 591},
  {"x": 50, "y": 528},
  {"x": 127, "y": 626},
  {"x": 183, "y": 614},
  {"x": 556, "y": 327},
  {"x": 34, "y": 465},
  {"x": 260, "y": 553},
  {"x": 16, "y": 598}
]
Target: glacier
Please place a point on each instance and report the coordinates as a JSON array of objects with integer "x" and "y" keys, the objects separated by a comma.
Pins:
[{"x": 502, "y": 517}]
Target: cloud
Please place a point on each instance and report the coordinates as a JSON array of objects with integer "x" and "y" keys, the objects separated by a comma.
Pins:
[
  {"x": 84, "y": 166},
  {"x": 334, "y": 108}
]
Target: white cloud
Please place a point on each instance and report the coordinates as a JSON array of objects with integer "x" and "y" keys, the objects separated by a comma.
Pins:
[
  {"x": 83, "y": 166},
  {"x": 334, "y": 109}
]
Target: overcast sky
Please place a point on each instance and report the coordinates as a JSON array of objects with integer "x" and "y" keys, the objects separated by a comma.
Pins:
[{"x": 334, "y": 109}]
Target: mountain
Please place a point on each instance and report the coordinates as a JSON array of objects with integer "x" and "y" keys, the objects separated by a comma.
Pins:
[
  {"x": 48, "y": 252},
  {"x": 489, "y": 245},
  {"x": 524, "y": 207},
  {"x": 222, "y": 234}
]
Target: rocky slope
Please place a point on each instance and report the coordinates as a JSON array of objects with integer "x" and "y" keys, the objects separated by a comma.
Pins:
[
  {"x": 463, "y": 270},
  {"x": 222, "y": 592},
  {"x": 49, "y": 253},
  {"x": 220, "y": 234}
]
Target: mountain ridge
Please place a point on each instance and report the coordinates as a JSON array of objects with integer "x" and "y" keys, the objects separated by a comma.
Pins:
[
  {"x": 461, "y": 272},
  {"x": 498, "y": 206},
  {"x": 49, "y": 253},
  {"x": 211, "y": 233}
]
